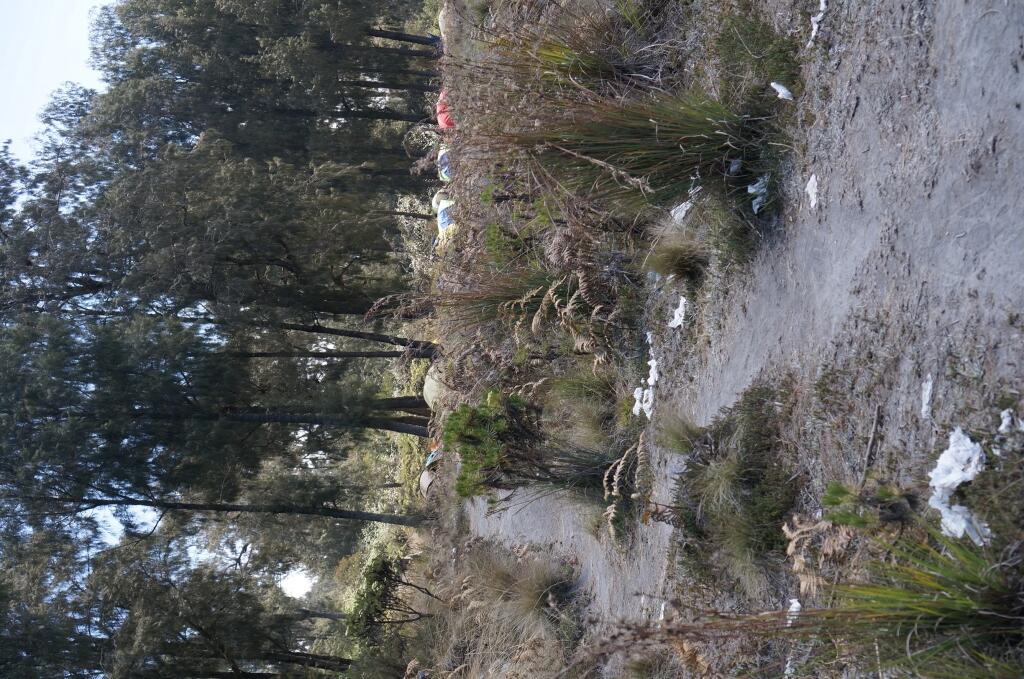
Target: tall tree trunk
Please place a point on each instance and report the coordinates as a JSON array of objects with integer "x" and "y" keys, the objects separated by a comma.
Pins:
[
  {"x": 261, "y": 415},
  {"x": 386, "y": 171},
  {"x": 400, "y": 71},
  {"x": 322, "y": 662},
  {"x": 402, "y": 37},
  {"x": 412, "y": 215},
  {"x": 386, "y": 424},
  {"x": 425, "y": 349},
  {"x": 415, "y": 405},
  {"x": 382, "y": 114},
  {"x": 317, "y": 354},
  {"x": 397, "y": 51},
  {"x": 306, "y": 614},
  {"x": 398, "y": 427},
  {"x": 388, "y": 85},
  {"x": 85, "y": 504}
]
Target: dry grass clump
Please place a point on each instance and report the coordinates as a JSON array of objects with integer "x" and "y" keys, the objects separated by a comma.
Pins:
[
  {"x": 654, "y": 666},
  {"x": 532, "y": 592},
  {"x": 532, "y": 299},
  {"x": 682, "y": 255},
  {"x": 735, "y": 495},
  {"x": 630, "y": 151},
  {"x": 507, "y": 616},
  {"x": 589, "y": 405},
  {"x": 573, "y": 97},
  {"x": 678, "y": 433}
]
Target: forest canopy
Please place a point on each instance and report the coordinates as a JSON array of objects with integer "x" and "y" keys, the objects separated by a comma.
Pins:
[{"x": 191, "y": 335}]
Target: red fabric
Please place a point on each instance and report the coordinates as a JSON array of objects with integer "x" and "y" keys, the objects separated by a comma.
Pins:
[{"x": 444, "y": 113}]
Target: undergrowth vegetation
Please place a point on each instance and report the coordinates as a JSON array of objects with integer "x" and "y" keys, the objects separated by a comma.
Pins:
[
  {"x": 737, "y": 492},
  {"x": 502, "y": 445},
  {"x": 503, "y": 615}
]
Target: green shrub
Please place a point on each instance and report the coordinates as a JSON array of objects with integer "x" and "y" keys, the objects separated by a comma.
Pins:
[
  {"x": 502, "y": 445},
  {"x": 478, "y": 433}
]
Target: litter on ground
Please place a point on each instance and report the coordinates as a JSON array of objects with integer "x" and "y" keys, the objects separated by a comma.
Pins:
[
  {"x": 644, "y": 396},
  {"x": 782, "y": 91},
  {"x": 1008, "y": 421},
  {"x": 816, "y": 21},
  {"x": 759, "y": 190},
  {"x": 812, "y": 190},
  {"x": 926, "y": 397},
  {"x": 794, "y": 610},
  {"x": 679, "y": 316},
  {"x": 445, "y": 121},
  {"x": 444, "y": 164},
  {"x": 442, "y": 205},
  {"x": 678, "y": 213},
  {"x": 962, "y": 461}
]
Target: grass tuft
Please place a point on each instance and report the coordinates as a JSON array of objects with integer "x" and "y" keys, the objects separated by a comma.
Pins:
[
  {"x": 738, "y": 492},
  {"x": 680, "y": 255},
  {"x": 634, "y": 151}
]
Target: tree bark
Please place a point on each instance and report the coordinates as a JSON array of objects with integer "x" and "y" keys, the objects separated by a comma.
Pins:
[
  {"x": 388, "y": 85},
  {"x": 322, "y": 662},
  {"x": 397, "y": 51},
  {"x": 412, "y": 215},
  {"x": 424, "y": 349},
  {"x": 85, "y": 504},
  {"x": 402, "y": 37},
  {"x": 317, "y": 354},
  {"x": 382, "y": 114},
  {"x": 400, "y": 71},
  {"x": 398, "y": 427},
  {"x": 416, "y": 404},
  {"x": 305, "y": 614},
  {"x": 386, "y": 424}
]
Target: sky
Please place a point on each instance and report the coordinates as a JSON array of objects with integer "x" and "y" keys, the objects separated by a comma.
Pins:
[{"x": 43, "y": 44}]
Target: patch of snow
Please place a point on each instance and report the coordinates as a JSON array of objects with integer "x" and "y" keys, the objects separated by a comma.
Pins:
[
  {"x": 962, "y": 461},
  {"x": 816, "y": 21},
  {"x": 652, "y": 374},
  {"x": 679, "y": 315},
  {"x": 926, "y": 397},
  {"x": 812, "y": 190},
  {"x": 296, "y": 583},
  {"x": 782, "y": 91},
  {"x": 735, "y": 166}
]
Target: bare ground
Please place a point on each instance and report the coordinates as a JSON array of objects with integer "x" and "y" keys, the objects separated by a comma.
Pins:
[{"x": 912, "y": 264}]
